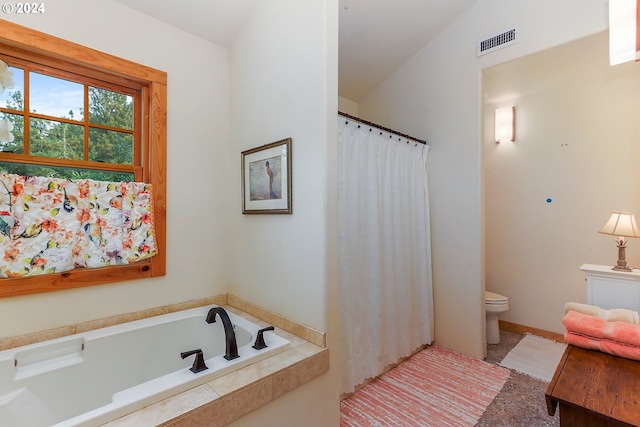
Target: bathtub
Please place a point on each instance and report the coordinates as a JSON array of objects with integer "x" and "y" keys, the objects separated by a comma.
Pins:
[{"x": 94, "y": 377}]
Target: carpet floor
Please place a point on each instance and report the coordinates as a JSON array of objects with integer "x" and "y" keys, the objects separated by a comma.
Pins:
[{"x": 436, "y": 387}]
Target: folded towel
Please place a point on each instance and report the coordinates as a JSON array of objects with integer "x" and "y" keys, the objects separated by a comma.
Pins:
[
  {"x": 611, "y": 315},
  {"x": 606, "y": 346},
  {"x": 597, "y": 328}
]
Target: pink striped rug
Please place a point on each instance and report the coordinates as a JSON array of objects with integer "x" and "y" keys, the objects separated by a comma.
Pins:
[{"x": 436, "y": 387}]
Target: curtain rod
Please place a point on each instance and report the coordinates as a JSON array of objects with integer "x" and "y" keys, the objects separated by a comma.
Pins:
[{"x": 367, "y": 123}]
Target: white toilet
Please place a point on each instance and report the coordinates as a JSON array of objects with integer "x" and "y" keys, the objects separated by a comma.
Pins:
[{"x": 495, "y": 305}]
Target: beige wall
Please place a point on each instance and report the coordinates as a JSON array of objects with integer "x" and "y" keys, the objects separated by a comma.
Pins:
[
  {"x": 278, "y": 261},
  {"x": 437, "y": 96},
  {"x": 284, "y": 84},
  {"x": 577, "y": 143},
  {"x": 348, "y": 106},
  {"x": 278, "y": 81},
  {"x": 198, "y": 152}
]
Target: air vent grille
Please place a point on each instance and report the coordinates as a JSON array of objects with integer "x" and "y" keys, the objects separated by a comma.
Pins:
[{"x": 497, "y": 41}]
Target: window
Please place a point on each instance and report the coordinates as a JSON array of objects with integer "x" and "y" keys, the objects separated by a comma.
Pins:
[
  {"x": 111, "y": 126},
  {"x": 78, "y": 121}
]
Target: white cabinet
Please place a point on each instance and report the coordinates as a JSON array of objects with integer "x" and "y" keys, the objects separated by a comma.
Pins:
[{"x": 607, "y": 288}]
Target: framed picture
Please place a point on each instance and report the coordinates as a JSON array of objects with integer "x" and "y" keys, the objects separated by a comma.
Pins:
[{"x": 266, "y": 179}]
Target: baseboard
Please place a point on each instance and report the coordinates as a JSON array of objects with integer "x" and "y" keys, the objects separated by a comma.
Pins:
[{"x": 522, "y": 329}]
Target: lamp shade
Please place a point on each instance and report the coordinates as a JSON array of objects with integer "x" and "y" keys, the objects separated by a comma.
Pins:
[{"x": 621, "y": 224}]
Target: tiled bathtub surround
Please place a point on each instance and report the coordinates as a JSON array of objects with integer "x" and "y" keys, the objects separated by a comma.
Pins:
[
  {"x": 239, "y": 392},
  {"x": 309, "y": 334},
  {"x": 225, "y": 399},
  {"x": 64, "y": 331}
]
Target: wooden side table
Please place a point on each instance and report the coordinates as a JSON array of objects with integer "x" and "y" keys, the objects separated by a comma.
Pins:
[{"x": 595, "y": 389}]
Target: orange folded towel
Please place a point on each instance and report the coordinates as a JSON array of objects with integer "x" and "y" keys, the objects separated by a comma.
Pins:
[
  {"x": 597, "y": 328},
  {"x": 606, "y": 346},
  {"x": 610, "y": 315}
]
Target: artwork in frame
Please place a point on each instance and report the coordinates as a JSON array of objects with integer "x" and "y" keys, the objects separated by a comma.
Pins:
[{"x": 266, "y": 179}]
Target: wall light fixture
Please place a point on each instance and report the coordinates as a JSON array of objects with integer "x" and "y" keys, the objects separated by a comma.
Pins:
[
  {"x": 624, "y": 43},
  {"x": 504, "y": 124}
]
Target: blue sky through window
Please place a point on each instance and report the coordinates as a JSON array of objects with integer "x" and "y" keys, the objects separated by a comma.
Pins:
[
  {"x": 55, "y": 97},
  {"x": 49, "y": 95}
]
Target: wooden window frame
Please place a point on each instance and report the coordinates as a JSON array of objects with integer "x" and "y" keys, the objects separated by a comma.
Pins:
[
  {"x": 154, "y": 149},
  {"x": 31, "y": 62}
]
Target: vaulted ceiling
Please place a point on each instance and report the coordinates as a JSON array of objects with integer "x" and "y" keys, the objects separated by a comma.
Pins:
[{"x": 376, "y": 36}]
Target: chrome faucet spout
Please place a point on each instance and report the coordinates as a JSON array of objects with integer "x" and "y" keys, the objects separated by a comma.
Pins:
[{"x": 229, "y": 334}]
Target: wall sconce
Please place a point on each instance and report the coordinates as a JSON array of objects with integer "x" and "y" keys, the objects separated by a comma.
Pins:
[
  {"x": 623, "y": 31},
  {"x": 621, "y": 224},
  {"x": 504, "y": 126}
]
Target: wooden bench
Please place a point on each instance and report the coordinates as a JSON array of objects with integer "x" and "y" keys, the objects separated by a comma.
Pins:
[{"x": 595, "y": 389}]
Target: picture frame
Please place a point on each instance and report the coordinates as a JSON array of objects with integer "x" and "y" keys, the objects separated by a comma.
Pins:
[{"x": 266, "y": 179}]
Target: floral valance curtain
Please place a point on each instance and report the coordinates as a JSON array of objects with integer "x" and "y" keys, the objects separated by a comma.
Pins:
[{"x": 51, "y": 225}]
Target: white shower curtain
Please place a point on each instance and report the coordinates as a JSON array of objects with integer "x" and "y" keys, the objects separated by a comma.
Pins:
[{"x": 386, "y": 297}]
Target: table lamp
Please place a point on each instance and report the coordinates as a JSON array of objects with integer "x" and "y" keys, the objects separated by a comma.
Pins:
[{"x": 621, "y": 224}]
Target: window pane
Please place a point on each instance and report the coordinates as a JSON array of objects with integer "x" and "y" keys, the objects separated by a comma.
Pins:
[
  {"x": 110, "y": 146},
  {"x": 14, "y": 98},
  {"x": 55, "y": 97},
  {"x": 17, "y": 145},
  {"x": 110, "y": 108},
  {"x": 61, "y": 172},
  {"x": 48, "y": 138}
]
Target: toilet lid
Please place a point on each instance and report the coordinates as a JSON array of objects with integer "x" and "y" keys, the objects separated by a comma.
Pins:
[{"x": 493, "y": 298}]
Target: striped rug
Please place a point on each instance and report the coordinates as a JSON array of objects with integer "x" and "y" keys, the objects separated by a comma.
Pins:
[{"x": 436, "y": 387}]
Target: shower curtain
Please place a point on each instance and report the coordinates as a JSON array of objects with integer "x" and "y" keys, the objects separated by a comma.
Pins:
[{"x": 386, "y": 297}]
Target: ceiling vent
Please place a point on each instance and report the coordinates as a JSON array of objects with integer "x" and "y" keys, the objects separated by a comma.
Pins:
[{"x": 497, "y": 41}]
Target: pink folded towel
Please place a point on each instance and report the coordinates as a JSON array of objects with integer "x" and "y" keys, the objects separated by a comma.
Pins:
[
  {"x": 597, "y": 328},
  {"x": 606, "y": 346},
  {"x": 611, "y": 315}
]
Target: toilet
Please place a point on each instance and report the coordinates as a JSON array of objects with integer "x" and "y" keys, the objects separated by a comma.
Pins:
[{"x": 495, "y": 305}]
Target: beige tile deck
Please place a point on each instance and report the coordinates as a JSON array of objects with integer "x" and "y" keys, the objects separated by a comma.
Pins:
[{"x": 238, "y": 392}]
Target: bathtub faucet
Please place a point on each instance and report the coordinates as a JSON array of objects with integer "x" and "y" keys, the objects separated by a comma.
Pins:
[
  {"x": 260, "y": 344},
  {"x": 198, "y": 363},
  {"x": 229, "y": 334}
]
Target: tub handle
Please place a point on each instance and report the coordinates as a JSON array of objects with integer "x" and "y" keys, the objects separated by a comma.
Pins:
[
  {"x": 259, "y": 344},
  {"x": 198, "y": 363}
]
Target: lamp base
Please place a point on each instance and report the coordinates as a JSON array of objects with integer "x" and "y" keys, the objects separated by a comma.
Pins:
[{"x": 622, "y": 259}]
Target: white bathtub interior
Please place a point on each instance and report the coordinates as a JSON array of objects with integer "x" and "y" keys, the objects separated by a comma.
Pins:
[{"x": 97, "y": 376}]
